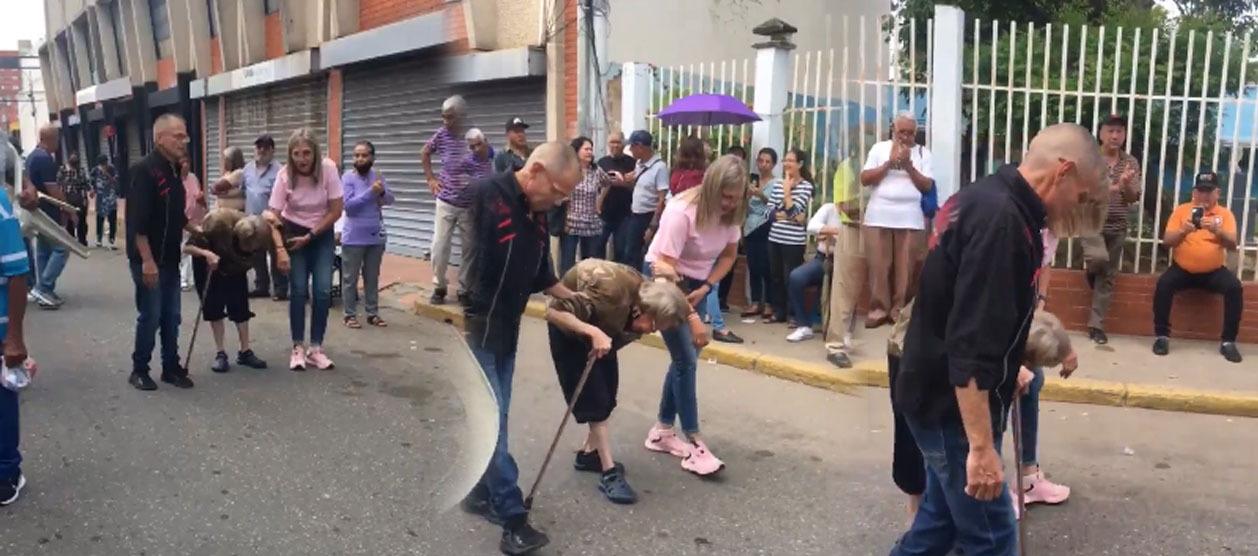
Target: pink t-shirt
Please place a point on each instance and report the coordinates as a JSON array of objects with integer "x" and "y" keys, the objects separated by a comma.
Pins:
[
  {"x": 696, "y": 250},
  {"x": 1050, "y": 246},
  {"x": 307, "y": 203},
  {"x": 194, "y": 207}
]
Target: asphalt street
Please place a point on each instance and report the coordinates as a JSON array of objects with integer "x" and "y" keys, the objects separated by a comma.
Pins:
[{"x": 344, "y": 462}]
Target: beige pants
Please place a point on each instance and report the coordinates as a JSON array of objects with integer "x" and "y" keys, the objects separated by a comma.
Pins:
[
  {"x": 449, "y": 219},
  {"x": 894, "y": 257},
  {"x": 846, "y": 285}
]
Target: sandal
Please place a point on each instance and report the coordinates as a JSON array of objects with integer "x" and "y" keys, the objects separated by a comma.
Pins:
[
  {"x": 752, "y": 311},
  {"x": 352, "y": 322},
  {"x": 376, "y": 321}
]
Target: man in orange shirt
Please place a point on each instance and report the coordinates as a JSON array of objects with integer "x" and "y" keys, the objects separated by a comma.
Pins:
[{"x": 1201, "y": 233}]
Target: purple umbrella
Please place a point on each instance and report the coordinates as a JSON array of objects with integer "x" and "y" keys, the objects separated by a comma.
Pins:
[{"x": 707, "y": 110}]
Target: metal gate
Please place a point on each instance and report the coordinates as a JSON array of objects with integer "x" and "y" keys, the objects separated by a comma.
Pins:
[
  {"x": 277, "y": 110},
  {"x": 213, "y": 149},
  {"x": 398, "y": 108}
]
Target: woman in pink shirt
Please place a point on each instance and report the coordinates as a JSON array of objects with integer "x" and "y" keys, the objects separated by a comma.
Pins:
[
  {"x": 305, "y": 204},
  {"x": 695, "y": 246},
  {"x": 195, "y": 209}
]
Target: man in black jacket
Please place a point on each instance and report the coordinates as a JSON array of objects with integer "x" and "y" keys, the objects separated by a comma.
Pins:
[
  {"x": 968, "y": 331},
  {"x": 512, "y": 262},
  {"x": 155, "y": 224}
]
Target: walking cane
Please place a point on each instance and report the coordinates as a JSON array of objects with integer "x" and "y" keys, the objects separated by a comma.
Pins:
[
  {"x": 589, "y": 364},
  {"x": 209, "y": 276},
  {"x": 1017, "y": 463}
]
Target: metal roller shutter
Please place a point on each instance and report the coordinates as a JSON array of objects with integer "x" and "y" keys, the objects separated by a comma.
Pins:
[
  {"x": 135, "y": 149},
  {"x": 398, "y": 107},
  {"x": 277, "y": 110},
  {"x": 213, "y": 150}
]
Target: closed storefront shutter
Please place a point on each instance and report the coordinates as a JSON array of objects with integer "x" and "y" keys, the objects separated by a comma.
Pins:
[
  {"x": 277, "y": 110},
  {"x": 213, "y": 150},
  {"x": 398, "y": 108}
]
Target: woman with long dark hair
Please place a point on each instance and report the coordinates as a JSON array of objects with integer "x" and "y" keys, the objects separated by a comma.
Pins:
[
  {"x": 305, "y": 204},
  {"x": 756, "y": 236},
  {"x": 583, "y": 228},
  {"x": 689, "y": 163},
  {"x": 788, "y": 201}
]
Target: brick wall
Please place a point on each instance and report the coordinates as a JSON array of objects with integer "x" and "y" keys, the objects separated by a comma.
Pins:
[
  {"x": 335, "y": 88},
  {"x": 216, "y": 56},
  {"x": 275, "y": 36},
  {"x": 375, "y": 13},
  {"x": 165, "y": 73}
]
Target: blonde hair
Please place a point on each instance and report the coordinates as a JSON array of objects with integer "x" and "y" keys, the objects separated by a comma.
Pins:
[
  {"x": 664, "y": 301},
  {"x": 299, "y": 137},
  {"x": 724, "y": 174},
  {"x": 1047, "y": 344}
]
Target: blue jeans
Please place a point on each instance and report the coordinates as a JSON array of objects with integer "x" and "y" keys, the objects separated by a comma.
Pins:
[
  {"x": 806, "y": 275},
  {"x": 592, "y": 247},
  {"x": 679, "y": 399},
  {"x": 158, "y": 310},
  {"x": 311, "y": 264},
  {"x": 948, "y": 516},
  {"x": 10, "y": 457},
  {"x": 1031, "y": 419},
  {"x": 502, "y": 477},
  {"x": 630, "y": 239},
  {"x": 711, "y": 307},
  {"x": 50, "y": 260}
]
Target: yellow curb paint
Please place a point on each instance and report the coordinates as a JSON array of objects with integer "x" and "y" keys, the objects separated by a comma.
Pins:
[{"x": 873, "y": 373}]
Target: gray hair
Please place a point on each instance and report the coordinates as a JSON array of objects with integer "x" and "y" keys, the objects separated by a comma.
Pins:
[
  {"x": 234, "y": 158},
  {"x": 473, "y": 134},
  {"x": 1047, "y": 344},
  {"x": 906, "y": 116},
  {"x": 454, "y": 104},
  {"x": 664, "y": 302}
]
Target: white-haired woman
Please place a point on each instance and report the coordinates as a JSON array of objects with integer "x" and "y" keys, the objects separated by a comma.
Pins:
[
  {"x": 696, "y": 245},
  {"x": 611, "y": 307},
  {"x": 305, "y": 204},
  {"x": 223, "y": 251}
]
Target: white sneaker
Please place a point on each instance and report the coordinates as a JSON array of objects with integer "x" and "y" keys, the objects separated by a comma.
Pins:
[{"x": 800, "y": 334}]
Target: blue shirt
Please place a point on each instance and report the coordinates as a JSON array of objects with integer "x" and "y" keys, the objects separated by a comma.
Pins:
[
  {"x": 41, "y": 168},
  {"x": 13, "y": 261},
  {"x": 258, "y": 186}
]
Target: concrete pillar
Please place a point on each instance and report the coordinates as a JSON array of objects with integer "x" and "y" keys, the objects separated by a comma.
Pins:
[
  {"x": 181, "y": 33},
  {"x": 103, "y": 26},
  {"x": 80, "y": 44},
  {"x": 772, "y": 81},
  {"x": 595, "y": 68},
  {"x": 300, "y": 20},
  {"x": 228, "y": 33},
  {"x": 251, "y": 19},
  {"x": 140, "y": 37},
  {"x": 946, "y": 125},
  {"x": 198, "y": 38},
  {"x": 554, "y": 77},
  {"x": 635, "y": 97}
]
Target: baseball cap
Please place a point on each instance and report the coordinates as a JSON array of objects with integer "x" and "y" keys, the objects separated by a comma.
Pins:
[
  {"x": 1115, "y": 120},
  {"x": 1207, "y": 181},
  {"x": 641, "y": 137},
  {"x": 516, "y": 122},
  {"x": 264, "y": 140}
]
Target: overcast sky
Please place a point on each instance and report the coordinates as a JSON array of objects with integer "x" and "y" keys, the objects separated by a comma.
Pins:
[{"x": 23, "y": 19}]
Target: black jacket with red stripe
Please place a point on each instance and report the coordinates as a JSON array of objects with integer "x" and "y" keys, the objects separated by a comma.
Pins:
[{"x": 510, "y": 261}]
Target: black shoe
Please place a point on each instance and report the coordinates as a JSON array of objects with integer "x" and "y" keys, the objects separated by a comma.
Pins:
[
  {"x": 589, "y": 462},
  {"x": 614, "y": 486},
  {"x": 1161, "y": 346},
  {"x": 257, "y": 294},
  {"x": 249, "y": 359},
  {"x": 438, "y": 296},
  {"x": 521, "y": 538},
  {"x": 1229, "y": 351},
  {"x": 465, "y": 299},
  {"x": 178, "y": 378},
  {"x": 1097, "y": 335},
  {"x": 477, "y": 503},
  {"x": 840, "y": 360},
  {"x": 728, "y": 337},
  {"x": 221, "y": 364},
  {"x": 142, "y": 381},
  {"x": 11, "y": 488}
]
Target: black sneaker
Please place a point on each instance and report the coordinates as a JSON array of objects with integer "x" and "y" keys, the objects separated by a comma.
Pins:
[
  {"x": 178, "y": 378},
  {"x": 840, "y": 360},
  {"x": 438, "y": 296},
  {"x": 1097, "y": 335},
  {"x": 614, "y": 486},
  {"x": 521, "y": 538},
  {"x": 1229, "y": 351},
  {"x": 727, "y": 336},
  {"x": 142, "y": 381},
  {"x": 465, "y": 299},
  {"x": 10, "y": 489},
  {"x": 589, "y": 462},
  {"x": 249, "y": 359},
  {"x": 477, "y": 503},
  {"x": 1161, "y": 346},
  {"x": 221, "y": 364}
]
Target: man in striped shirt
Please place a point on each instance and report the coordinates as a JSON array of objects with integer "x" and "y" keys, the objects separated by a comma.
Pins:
[
  {"x": 1103, "y": 253},
  {"x": 447, "y": 189},
  {"x": 14, "y": 266}
]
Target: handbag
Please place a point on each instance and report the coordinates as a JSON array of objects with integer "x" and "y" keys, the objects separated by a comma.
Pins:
[
  {"x": 930, "y": 201},
  {"x": 290, "y": 230}
]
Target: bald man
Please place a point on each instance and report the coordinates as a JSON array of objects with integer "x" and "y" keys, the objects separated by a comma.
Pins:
[
  {"x": 968, "y": 332},
  {"x": 155, "y": 224},
  {"x": 512, "y": 262},
  {"x": 50, "y": 256}
]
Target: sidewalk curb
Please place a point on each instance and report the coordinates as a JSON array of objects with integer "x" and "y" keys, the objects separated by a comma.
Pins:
[{"x": 873, "y": 373}]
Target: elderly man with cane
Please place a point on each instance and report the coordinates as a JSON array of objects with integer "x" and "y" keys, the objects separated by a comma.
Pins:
[{"x": 967, "y": 337}]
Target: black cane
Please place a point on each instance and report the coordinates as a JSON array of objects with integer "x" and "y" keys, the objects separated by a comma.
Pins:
[
  {"x": 209, "y": 277},
  {"x": 589, "y": 364},
  {"x": 1017, "y": 463}
]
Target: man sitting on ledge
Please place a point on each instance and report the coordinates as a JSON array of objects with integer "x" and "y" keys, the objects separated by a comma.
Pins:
[{"x": 1201, "y": 233}]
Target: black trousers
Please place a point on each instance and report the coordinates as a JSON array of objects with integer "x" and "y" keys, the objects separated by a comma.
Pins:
[
  {"x": 598, "y": 396},
  {"x": 78, "y": 228},
  {"x": 782, "y": 260},
  {"x": 101, "y": 218},
  {"x": 908, "y": 468},
  {"x": 1220, "y": 281},
  {"x": 264, "y": 274}
]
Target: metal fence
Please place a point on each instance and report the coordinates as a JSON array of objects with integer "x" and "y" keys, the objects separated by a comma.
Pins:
[{"x": 669, "y": 83}]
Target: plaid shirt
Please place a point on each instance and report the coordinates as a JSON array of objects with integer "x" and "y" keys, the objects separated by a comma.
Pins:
[
  {"x": 74, "y": 185},
  {"x": 583, "y": 217},
  {"x": 1116, "y": 216}
]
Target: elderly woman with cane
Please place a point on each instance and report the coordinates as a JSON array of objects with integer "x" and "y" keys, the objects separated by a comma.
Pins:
[
  {"x": 695, "y": 246},
  {"x": 612, "y": 306}
]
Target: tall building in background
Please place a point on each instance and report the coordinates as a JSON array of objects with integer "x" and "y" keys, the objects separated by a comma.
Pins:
[
  {"x": 32, "y": 104},
  {"x": 10, "y": 89}
]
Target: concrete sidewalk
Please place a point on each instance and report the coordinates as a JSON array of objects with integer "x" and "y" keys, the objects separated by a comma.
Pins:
[{"x": 1193, "y": 378}]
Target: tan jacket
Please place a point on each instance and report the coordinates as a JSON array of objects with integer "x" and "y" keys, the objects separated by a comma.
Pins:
[{"x": 605, "y": 295}]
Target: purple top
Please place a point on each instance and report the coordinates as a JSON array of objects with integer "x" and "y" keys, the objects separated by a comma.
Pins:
[
  {"x": 364, "y": 219},
  {"x": 470, "y": 169},
  {"x": 451, "y": 150}
]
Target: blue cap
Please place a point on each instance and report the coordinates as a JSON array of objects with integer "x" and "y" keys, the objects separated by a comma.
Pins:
[{"x": 641, "y": 137}]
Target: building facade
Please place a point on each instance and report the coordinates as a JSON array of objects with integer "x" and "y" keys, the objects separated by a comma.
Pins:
[
  {"x": 349, "y": 70},
  {"x": 10, "y": 89}
]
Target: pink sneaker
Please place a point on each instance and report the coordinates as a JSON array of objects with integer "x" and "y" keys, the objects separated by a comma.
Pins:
[
  {"x": 1041, "y": 490},
  {"x": 297, "y": 361},
  {"x": 320, "y": 360},
  {"x": 701, "y": 461},
  {"x": 664, "y": 440}
]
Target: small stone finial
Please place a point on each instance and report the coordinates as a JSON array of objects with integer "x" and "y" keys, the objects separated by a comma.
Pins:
[{"x": 779, "y": 33}]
